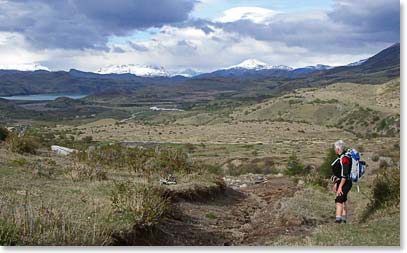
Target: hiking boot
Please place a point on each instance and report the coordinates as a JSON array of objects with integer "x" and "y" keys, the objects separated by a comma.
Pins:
[{"x": 338, "y": 221}]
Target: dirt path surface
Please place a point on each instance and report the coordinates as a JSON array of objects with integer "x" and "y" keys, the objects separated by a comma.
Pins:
[{"x": 240, "y": 216}]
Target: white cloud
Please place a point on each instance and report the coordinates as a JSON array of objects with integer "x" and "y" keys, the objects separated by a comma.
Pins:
[
  {"x": 180, "y": 48},
  {"x": 255, "y": 14},
  {"x": 174, "y": 48},
  {"x": 15, "y": 50}
]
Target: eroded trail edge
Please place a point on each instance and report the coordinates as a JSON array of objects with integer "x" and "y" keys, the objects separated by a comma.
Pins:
[{"x": 246, "y": 212}]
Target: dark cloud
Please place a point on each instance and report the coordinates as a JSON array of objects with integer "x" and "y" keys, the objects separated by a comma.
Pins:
[
  {"x": 349, "y": 27},
  {"x": 78, "y": 24},
  {"x": 368, "y": 15}
]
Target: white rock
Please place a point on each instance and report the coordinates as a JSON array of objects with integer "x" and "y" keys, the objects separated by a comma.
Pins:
[{"x": 62, "y": 150}]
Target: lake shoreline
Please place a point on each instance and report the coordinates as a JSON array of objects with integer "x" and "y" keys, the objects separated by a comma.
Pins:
[{"x": 43, "y": 97}]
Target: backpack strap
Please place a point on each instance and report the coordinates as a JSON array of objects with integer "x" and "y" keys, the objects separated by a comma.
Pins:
[
  {"x": 349, "y": 156},
  {"x": 332, "y": 164}
]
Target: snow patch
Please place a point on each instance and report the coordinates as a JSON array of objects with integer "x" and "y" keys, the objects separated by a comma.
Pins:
[
  {"x": 135, "y": 69},
  {"x": 24, "y": 67}
]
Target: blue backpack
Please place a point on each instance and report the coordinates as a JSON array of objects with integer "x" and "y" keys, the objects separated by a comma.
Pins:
[{"x": 358, "y": 167}]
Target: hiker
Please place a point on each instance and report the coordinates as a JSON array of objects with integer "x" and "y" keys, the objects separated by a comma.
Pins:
[{"x": 341, "y": 169}]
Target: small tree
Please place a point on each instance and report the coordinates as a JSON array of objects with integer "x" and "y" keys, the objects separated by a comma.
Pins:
[
  {"x": 294, "y": 166},
  {"x": 325, "y": 169}
]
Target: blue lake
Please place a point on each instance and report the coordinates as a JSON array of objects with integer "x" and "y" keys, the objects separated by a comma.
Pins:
[{"x": 42, "y": 97}]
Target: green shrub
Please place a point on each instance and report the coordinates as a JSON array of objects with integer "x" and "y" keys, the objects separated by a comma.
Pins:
[
  {"x": 174, "y": 160},
  {"x": 294, "y": 166},
  {"x": 210, "y": 216},
  {"x": 139, "y": 205},
  {"x": 22, "y": 145},
  {"x": 3, "y": 133},
  {"x": 375, "y": 158},
  {"x": 20, "y": 161},
  {"x": 325, "y": 169},
  {"x": 385, "y": 190}
]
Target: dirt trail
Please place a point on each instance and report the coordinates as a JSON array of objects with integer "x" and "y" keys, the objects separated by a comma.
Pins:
[{"x": 241, "y": 216}]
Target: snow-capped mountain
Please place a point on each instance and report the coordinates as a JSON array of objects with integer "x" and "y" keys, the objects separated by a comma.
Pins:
[
  {"x": 251, "y": 68},
  {"x": 309, "y": 69},
  {"x": 24, "y": 67},
  {"x": 187, "y": 73},
  {"x": 253, "y": 64},
  {"x": 357, "y": 63},
  {"x": 135, "y": 69},
  {"x": 319, "y": 67}
]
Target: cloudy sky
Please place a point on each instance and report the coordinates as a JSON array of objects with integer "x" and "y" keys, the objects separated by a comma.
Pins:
[{"x": 198, "y": 34}]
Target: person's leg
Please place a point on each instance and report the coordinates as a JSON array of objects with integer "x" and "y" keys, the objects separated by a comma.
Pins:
[
  {"x": 346, "y": 190},
  {"x": 344, "y": 212},
  {"x": 339, "y": 210}
]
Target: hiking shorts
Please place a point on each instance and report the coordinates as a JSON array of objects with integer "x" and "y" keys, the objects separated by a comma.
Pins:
[{"x": 345, "y": 189}]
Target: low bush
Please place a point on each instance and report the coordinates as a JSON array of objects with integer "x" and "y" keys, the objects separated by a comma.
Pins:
[
  {"x": 3, "y": 133},
  {"x": 385, "y": 190},
  {"x": 80, "y": 171},
  {"x": 294, "y": 166},
  {"x": 139, "y": 205},
  {"x": 147, "y": 163},
  {"x": 22, "y": 145}
]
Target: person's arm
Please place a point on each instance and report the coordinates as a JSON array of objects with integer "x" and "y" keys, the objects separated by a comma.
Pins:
[
  {"x": 339, "y": 190},
  {"x": 334, "y": 187},
  {"x": 345, "y": 162}
]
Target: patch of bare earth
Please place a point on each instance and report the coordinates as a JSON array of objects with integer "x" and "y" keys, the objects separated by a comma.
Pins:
[{"x": 240, "y": 215}]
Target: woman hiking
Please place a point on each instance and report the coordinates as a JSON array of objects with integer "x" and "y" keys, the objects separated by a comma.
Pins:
[{"x": 341, "y": 169}]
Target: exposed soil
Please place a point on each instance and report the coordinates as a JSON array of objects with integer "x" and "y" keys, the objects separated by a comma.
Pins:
[{"x": 236, "y": 216}]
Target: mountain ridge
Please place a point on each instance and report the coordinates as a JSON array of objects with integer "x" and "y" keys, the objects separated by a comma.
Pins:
[{"x": 382, "y": 66}]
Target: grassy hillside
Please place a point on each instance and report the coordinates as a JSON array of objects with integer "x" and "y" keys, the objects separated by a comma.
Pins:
[{"x": 361, "y": 109}]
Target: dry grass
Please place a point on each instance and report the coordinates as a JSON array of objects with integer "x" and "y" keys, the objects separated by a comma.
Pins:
[{"x": 56, "y": 210}]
